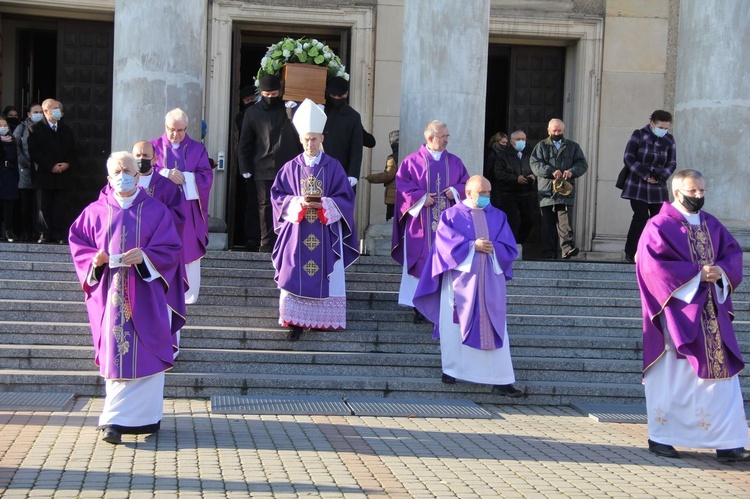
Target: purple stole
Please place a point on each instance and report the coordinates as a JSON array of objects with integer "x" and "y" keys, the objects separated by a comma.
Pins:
[
  {"x": 670, "y": 254},
  {"x": 305, "y": 252},
  {"x": 190, "y": 156},
  {"x": 419, "y": 174},
  {"x": 479, "y": 295},
  {"x": 130, "y": 327}
]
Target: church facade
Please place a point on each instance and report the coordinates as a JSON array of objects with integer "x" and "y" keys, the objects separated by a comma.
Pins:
[{"x": 482, "y": 67}]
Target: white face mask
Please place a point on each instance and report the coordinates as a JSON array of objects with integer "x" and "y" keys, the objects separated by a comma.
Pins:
[
  {"x": 4, "y": 130},
  {"x": 659, "y": 132},
  {"x": 122, "y": 182},
  {"x": 36, "y": 117}
]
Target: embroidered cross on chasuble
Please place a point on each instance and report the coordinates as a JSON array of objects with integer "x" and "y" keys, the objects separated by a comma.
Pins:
[
  {"x": 702, "y": 253},
  {"x": 312, "y": 187}
]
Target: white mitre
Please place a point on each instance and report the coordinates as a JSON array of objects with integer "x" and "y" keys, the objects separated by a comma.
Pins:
[{"x": 309, "y": 118}]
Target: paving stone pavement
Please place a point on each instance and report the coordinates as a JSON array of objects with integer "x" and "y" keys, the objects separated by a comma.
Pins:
[{"x": 523, "y": 451}]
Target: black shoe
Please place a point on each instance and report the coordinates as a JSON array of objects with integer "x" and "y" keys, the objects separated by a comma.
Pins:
[
  {"x": 507, "y": 391},
  {"x": 733, "y": 455},
  {"x": 112, "y": 435},
  {"x": 570, "y": 254},
  {"x": 265, "y": 248},
  {"x": 295, "y": 333},
  {"x": 419, "y": 318},
  {"x": 629, "y": 259},
  {"x": 663, "y": 450},
  {"x": 448, "y": 379}
]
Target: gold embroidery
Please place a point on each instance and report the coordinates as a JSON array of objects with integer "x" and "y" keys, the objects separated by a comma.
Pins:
[
  {"x": 311, "y": 268},
  {"x": 703, "y": 415},
  {"x": 311, "y": 215},
  {"x": 660, "y": 417},
  {"x": 702, "y": 253},
  {"x": 311, "y": 242},
  {"x": 311, "y": 186}
]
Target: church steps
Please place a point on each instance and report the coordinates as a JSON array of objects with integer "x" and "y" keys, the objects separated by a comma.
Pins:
[
  {"x": 206, "y": 384},
  {"x": 249, "y": 364},
  {"x": 575, "y": 333}
]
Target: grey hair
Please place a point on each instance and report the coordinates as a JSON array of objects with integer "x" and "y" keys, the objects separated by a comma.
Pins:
[
  {"x": 120, "y": 158},
  {"x": 682, "y": 175},
  {"x": 431, "y": 130},
  {"x": 178, "y": 115},
  {"x": 516, "y": 133},
  {"x": 556, "y": 121}
]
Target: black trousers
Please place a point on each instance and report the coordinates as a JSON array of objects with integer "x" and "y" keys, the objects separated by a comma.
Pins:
[
  {"x": 53, "y": 208},
  {"x": 642, "y": 211},
  {"x": 556, "y": 226},
  {"x": 252, "y": 217},
  {"x": 265, "y": 212},
  {"x": 27, "y": 225},
  {"x": 518, "y": 211}
]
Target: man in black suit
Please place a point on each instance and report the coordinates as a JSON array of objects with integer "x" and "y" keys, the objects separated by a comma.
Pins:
[{"x": 52, "y": 152}]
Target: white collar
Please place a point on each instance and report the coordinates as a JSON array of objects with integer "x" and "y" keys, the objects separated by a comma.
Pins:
[
  {"x": 436, "y": 155},
  {"x": 310, "y": 162}
]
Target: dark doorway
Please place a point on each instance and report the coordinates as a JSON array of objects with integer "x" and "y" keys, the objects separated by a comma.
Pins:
[
  {"x": 524, "y": 91},
  {"x": 72, "y": 61},
  {"x": 37, "y": 66},
  {"x": 250, "y": 45}
]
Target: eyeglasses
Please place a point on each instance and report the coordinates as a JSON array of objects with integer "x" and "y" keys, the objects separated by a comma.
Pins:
[
  {"x": 176, "y": 130},
  {"x": 441, "y": 137}
]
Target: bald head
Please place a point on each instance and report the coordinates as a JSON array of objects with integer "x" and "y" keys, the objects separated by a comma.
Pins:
[
  {"x": 143, "y": 151},
  {"x": 477, "y": 186}
]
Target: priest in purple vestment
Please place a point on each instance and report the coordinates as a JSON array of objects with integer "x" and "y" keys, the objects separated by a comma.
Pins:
[
  {"x": 126, "y": 253},
  {"x": 427, "y": 183},
  {"x": 687, "y": 266},
  {"x": 313, "y": 208},
  {"x": 462, "y": 290},
  {"x": 184, "y": 161}
]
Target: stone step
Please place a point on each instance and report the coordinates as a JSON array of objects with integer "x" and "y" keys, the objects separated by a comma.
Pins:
[{"x": 197, "y": 385}]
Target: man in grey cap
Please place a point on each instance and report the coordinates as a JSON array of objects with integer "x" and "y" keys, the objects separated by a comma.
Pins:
[{"x": 267, "y": 141}]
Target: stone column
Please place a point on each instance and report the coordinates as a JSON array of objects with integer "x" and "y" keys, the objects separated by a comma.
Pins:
[
  {"x": 159, "y": 64},
  {"x": 444, "y": 75},
  {"x": 712, "y": 105}
]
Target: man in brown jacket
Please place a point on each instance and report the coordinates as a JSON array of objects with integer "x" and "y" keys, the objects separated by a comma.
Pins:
[{"x": 388, "y": 175}]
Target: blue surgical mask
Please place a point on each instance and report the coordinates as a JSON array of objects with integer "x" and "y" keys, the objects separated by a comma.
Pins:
[
  {"x": 483, "y": 201},
  {"x": 520, "y": 145},
  {"x": 56, "y": 114},
  {"x": 36, "y": 117},
  {"x": 122, "y": 182},
  {"x": 659, "y": 132},
  {"x": 4, "y": 130}
]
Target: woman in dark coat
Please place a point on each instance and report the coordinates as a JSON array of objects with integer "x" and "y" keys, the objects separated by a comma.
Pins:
[
  {"x": 8, "y": 178},
  {"x": 651, "y": 158}
]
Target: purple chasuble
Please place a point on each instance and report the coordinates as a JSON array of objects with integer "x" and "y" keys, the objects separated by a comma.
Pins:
[
  {"x": 190, "y": 156},
  {"x": 418, "y": 175},
  {"x": 479, "y": 294},
  {"x": 305, "y": 252},
  {"x": 130, "y": 326},
  {"x": 671, "y": 252}
]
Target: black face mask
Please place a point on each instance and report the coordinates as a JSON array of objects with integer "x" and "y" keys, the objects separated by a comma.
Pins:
[
  {"x": 336, "y": 103},
  {"x": 13, "y": 122},
  {"x": 556, "y": 138},
  {"x": 272, "y": 101},
  {"x": 692, "y": 204},
  {"x": 144, "y": 165}
]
